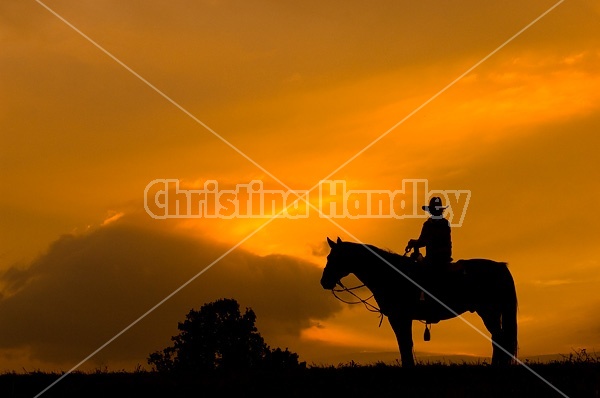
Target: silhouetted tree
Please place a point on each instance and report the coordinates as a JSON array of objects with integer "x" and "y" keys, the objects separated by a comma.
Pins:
[{"x": 219, "y": 336}]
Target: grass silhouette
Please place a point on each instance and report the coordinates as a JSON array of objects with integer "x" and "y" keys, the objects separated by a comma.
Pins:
[{"x": 576, "y": 375}]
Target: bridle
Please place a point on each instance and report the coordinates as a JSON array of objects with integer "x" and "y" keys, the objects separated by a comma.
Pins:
[{"x": 370, "y": 307}]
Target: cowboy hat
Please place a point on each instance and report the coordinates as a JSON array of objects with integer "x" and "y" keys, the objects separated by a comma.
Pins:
[{"x": 435, "y": 205}]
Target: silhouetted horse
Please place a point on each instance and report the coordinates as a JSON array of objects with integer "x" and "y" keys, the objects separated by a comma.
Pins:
[{"x": 476, "y": 285}]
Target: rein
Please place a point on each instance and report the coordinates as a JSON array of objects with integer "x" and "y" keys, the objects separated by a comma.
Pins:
[{"x": 365, "y": 302}]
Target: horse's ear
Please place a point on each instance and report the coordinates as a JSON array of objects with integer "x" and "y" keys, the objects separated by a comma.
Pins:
[
  {"x": 331, "y": 243},
  {"x": 339, "y": 240}
]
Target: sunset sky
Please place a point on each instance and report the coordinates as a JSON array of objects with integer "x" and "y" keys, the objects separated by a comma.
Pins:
[{"x": 287, "y": 92}]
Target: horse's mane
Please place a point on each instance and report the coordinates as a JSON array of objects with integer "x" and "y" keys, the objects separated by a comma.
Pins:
[{"x": 389, "y": 255}]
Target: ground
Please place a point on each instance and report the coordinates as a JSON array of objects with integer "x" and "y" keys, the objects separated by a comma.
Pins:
[{"x": 568, "y": 378}]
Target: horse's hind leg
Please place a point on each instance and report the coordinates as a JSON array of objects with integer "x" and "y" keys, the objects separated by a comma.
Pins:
[{"x": 493, "y": 323}]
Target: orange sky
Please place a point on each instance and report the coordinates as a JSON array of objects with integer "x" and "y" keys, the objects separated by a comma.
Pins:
[{"x": 298, "y": 88}]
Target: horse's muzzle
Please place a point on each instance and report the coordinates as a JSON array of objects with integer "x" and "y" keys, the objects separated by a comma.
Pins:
[{"x": 327, "y": 284}]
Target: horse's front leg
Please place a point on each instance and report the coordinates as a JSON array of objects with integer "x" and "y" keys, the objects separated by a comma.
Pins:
[{"x": 402, "y": 327}]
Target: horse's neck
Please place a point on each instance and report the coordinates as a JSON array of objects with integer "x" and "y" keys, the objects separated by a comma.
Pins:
[{"x": 367, "y": 267}]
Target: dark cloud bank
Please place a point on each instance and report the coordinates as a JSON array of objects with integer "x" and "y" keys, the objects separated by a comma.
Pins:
[{"x": 87, "y": 288}]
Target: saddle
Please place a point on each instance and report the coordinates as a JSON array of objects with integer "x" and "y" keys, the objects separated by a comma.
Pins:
[
  {"x": 447, "y": 282},
  {"x": 453, "y": 266},
  {"x": 452, "y": 269}
]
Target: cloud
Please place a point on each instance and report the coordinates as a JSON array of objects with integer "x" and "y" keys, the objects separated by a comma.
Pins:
[
  {"x": 321, "y": 249},
  {"x": 86, "y": 288}
]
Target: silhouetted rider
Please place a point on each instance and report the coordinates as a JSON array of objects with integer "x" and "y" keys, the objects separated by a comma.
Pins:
[{"x": 435, "y": 235}]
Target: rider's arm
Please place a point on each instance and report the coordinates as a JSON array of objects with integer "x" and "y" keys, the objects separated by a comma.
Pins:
[{"x": 423, "y": 238}]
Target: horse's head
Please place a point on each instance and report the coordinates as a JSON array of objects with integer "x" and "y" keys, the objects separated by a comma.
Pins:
[{"x": 336, "y": 267}]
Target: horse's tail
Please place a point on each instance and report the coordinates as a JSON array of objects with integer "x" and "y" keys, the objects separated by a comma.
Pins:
[{"x": 509, "y": 315}]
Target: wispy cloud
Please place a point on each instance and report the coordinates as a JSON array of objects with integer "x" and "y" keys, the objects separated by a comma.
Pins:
[{"x": 554, "y": 282}]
